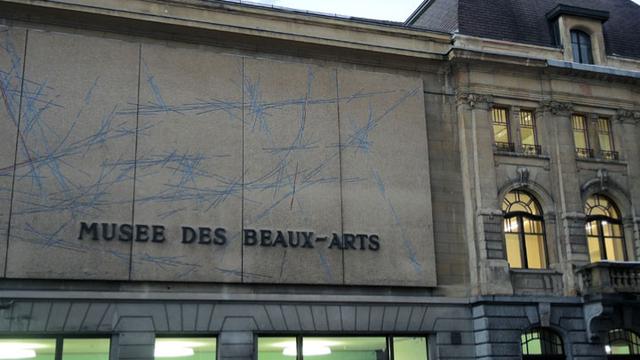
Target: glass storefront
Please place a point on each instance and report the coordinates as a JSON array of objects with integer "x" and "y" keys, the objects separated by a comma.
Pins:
[
  {"x": 343, "y": 348},
  {"x": 45, "y": 349},
  {"x": 196, "y": 348}
]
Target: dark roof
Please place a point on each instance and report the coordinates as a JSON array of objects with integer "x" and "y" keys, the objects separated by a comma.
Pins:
[{"x": 525, "y": 21}]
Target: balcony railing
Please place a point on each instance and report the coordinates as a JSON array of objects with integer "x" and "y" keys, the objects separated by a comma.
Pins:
[
  {"x": 609, "y": 155},
  {"x": 505, "y": 147},
  {"x": 534, "y": 150},
  {"x": 582, "y": 153},
  {"x": 609, "y": 278}
]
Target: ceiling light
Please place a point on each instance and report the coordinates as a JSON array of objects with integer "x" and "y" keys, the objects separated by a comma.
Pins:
[
  {"x": 172, "y": 351},
  {"x": 16, "y": 353},
  {"x": 307, "y": 350}
]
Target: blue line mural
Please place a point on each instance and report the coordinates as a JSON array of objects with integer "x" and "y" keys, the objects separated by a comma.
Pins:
[{"x": 54, "y": 149}]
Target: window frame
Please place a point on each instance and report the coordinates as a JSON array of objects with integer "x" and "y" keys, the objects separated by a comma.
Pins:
[
  {"x": 526, "y": 148},
  {"x": 587, "y": 151},
  {"x": 634, "y": 347},
  {"x": 502, "y": 146},
  {"x": 520, "y": 216},
  {"x": 581, "y": 41},
  {"x": 59, "y": 340},
  {"x": 544, "y": 336},
  {"x": 610, "y": 154},
  {"x": 601, "y": 237},
  {"x": 388, "y": 339},
  {"x": 187, "y": 335}
]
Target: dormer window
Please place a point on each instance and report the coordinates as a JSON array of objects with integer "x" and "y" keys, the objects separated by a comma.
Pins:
[
  {"x": 581, "y": 46},
  {"x": 579, "y": 31}
]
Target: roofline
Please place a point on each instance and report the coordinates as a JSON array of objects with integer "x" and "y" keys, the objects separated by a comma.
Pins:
[
  {"x": 255, "y": 22},
  {"x": 418, "y": 12},
  {"x": 562, "y": 9}
]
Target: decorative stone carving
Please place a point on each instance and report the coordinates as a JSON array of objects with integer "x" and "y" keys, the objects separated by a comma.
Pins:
[
  {"x": 474, "y": 100},
  {"x": 601, "y": 181},
  {"x": 544, "y": 309},
  {"x": 523, "y": 176},
  {"x": 556, "y": 107},
  {"x": 603, "y": 176},
  {"x": 627, "y": 116}
]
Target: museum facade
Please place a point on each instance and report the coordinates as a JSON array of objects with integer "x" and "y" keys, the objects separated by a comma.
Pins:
[{"x": 191, "y": 179}]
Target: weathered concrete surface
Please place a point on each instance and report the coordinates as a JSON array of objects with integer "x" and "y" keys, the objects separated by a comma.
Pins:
[
  {"x": 11, "y": 65},
  {"x": 292, "y": 171},
  {"x": 75, "y": 156},
  {"x": 386, "y": 188},
  {"x": 189, "y": 163}
]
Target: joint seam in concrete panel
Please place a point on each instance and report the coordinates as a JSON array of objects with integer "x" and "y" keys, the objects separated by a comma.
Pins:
[{"x": 15, "y": 155}]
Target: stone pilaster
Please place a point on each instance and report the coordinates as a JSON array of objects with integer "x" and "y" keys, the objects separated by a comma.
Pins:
[
  {"x": 489, "y": 268},
  {"x": 628, "y": 123},
  {"x": 569, "y": 205}
]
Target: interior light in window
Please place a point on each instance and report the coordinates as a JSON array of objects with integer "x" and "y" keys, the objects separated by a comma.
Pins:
[
  {"x": 166, "y": 349},
  {"x": 18, "y": 350},
  {"x": 308, "y": 350},
  {"x": 170, "y": 351}
]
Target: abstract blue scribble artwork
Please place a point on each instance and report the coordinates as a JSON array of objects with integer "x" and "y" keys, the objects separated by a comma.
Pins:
[{"x": 80, "y": 157}]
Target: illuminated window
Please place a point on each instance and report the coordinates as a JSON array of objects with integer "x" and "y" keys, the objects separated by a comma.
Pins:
[
  {"x": 621, "y": 343},
  {"x": 581, "y": 45},
  {"x": 40, "y": 349},
  {"x": 605, "y": 138},
  {"x": 541, "y": 344},
  {"x": 342, "y": 348},
  {"x": 524, "y": 231},
  {"x": 196, "y": 348},
  {"x": 85, "y": 349},
  {"x": 604, "y": 230},
  {"x": 528, "y": 133},
  {"x": 501, "y": 130},
  {"x": 580, "y": 139},
  {"x": 46, "y": 349}
]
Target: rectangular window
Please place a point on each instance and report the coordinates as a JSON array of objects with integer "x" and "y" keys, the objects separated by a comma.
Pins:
[
  {"x": 85, "y": 349},
  {"x": 501, "y": 129},
  {"x": 528, "y": 133},
  {"x": 579, "y": 124},
  {"x": 605, "y": 138},
  {"x": 185, "y": 348},
  {"x": 343, "y": 348},
  {"x": 40, "y": 349},
  {"x": 275, "y": 348},
  {"x": 410, "y": 348}
]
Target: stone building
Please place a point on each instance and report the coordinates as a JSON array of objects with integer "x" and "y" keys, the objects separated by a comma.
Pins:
[{"x": 192, "y": 179}]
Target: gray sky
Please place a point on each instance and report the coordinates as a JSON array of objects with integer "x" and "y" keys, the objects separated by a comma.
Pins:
[{"x": 395, "y": 10}]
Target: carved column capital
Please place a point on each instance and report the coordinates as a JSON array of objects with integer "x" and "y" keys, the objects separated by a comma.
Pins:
[
  {"x": 556, "y": 107},
  {"x": 628, "y": 116},
  {"x": 475, "y": 101}
]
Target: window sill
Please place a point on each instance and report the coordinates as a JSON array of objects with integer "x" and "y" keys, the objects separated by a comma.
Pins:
[
  {"x": 535, "y": 271},
  {"x": 602, "y": 161},
  {"x": 521, "y": 155}
]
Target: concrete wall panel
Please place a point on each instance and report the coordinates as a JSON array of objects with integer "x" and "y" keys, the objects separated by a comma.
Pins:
[
  {"x": 386, "y": 188},
  {"x": 75, "y": 157},
  {"x": 189, "y": 164},
  {"x": 12, "y": 43},
  {"x": 292, "y": 171}
]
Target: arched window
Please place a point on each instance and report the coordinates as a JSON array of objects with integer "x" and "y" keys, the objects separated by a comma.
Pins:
[
  {"x": 524, "y": 231},
  {"x": 623, "y": 344},
  {"x": 542, "y": 343},
  {"x": 604, "y": 230},
  {"x": 581, "y": 45}
]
